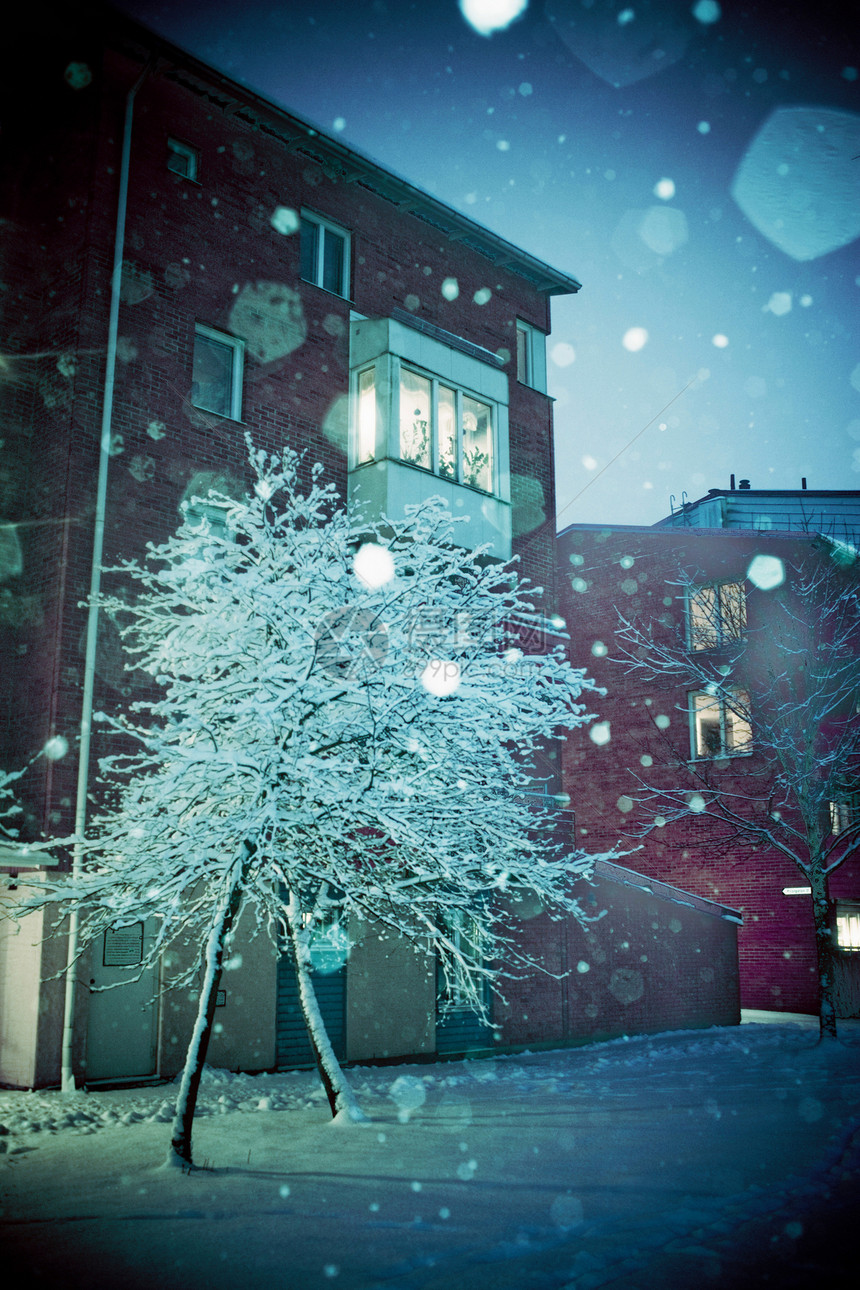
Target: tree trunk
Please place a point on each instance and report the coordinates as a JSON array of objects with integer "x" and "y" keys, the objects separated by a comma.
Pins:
[
  {"x": 179, "y": 1154},
  {"x": 824, "y": 954},
  {"x": 337, "y": 1088}
]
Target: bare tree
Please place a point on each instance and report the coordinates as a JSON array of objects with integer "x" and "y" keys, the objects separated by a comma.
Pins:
[
  {"x": 345, "y": 722},
  {"x": 786, "y": 693}
]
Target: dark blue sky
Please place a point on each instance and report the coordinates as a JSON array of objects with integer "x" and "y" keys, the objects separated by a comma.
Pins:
[{"x": 695, "y": 165}]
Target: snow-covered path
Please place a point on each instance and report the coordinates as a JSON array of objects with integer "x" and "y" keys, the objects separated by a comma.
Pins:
[{"x": 727, "y": 1157}]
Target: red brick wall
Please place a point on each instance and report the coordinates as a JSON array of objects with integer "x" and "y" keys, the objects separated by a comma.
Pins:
[
  {"x": 191, "y": 250},
  {"x": 776, "y": 943}
]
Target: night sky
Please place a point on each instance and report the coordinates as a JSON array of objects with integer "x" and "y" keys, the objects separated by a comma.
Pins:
[{"x": 695, "y": 165}]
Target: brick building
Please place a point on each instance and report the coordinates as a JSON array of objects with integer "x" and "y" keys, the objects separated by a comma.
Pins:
[
  {"x": 695, "y": 565},
  {"x": 185, "y": 261}
]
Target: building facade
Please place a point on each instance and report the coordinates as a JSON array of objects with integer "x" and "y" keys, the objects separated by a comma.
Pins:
[
  {"x": 187, "y": 263},
  {"x": 682, "y": 581}
]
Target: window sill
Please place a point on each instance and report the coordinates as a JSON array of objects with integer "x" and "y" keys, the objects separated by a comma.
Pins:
[
  {"x": 431, "y": 474},
  {"x": 335, "y": 295},
  {"x": 721, "y": 646},
  {"x": 222, "y": 416}
]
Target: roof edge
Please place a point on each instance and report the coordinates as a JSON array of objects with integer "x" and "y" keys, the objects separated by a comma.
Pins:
[
  {"x": 664, "y": 890},
  {"x": 351, "y": 165}
]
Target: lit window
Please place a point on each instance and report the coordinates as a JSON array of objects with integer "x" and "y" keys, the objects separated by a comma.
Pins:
[
  {"x": 367, "y": 415},
  {"x": 447, "y": 418},
  {"x": 446, "y": 430},
  {"x": 216, "y": 381},
  {"x": 845, "y": 814},
  {"x": 716, "y": 615},
  {"x": 847, "y": 926},
  {"x": 415, "y": 435},
  {"x": 325, "y": 254},
  {"x": 720, "y": 723},
  {"x": 182, "y": 159},
  {"x": 531, "y": 356}
]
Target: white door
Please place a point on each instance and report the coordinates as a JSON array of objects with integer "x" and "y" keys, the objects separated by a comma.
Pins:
[{"x": 123, "y": 1022}]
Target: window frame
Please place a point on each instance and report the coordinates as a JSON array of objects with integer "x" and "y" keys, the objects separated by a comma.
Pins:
[
  {"x": 461, "y": 395},
  {"x": 206, "y": 333},
  {"x": 723, "y": 628},
  {"x": 326, "y": 227},
  {"x": 176, "y": 148},
  {"x": 844, "y": 813},
  {"x": 460, "y": 926},
  {"x": 719, "y": 701},
  {"x": 534, "y": 355},
  {"x": 847, "y": 925},
  {"x": 367, "y": 413}
]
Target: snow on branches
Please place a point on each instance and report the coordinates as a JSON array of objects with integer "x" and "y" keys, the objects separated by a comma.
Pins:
[{"x": 346, "y": 723}]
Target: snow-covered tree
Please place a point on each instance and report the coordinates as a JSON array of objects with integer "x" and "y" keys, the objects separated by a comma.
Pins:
[
  {"x": 786, "y": 693},
  {"x": 345, "y": 726}
]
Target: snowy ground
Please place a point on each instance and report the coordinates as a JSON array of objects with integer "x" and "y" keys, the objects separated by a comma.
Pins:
[{"x": 726, "y": 1158}]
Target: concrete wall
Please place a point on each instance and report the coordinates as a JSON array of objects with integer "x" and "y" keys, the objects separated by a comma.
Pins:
[
  {"x": 31, "y": 999},
  {"x": 243, "y": 1037},
  {"x": 390, "y": 996},
  {"x": 20, "y": 970}
]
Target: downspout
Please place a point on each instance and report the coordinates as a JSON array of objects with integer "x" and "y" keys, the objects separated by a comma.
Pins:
[{"x": 67, "y": 1074}]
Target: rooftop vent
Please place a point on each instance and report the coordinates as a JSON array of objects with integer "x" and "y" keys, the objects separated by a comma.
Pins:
[{"x": 745, "y": 483}]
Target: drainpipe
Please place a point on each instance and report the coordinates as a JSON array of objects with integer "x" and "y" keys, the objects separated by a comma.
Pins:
[{"x": 67, "y": 1074}]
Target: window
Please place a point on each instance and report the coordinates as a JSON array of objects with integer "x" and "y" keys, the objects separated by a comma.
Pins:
[
  {"x": 847, "y": 925},
  {"x": 466, "y": 937},
  {"x": 182, "y": 159},
  {"x": 719, "y": 724},
  {"x": 216, "y": 380},
  {"x": 428, "y": 413},
  {"x": 366, "y": 415},
  {"x": 328, "y": 943},
  {"x": 325, "y": 254},
  {"x": 446, "y": 430},
  {"x": 205, "y": 503},
  {"x": 531, "y": 356},
  {"x": 716, "y": 615},
  {"x": 441, "y": 429},
  {"x": 845, "y": 814}
]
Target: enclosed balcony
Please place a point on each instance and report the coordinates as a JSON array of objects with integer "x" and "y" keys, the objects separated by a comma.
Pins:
[{"x": 429, "y": 417}]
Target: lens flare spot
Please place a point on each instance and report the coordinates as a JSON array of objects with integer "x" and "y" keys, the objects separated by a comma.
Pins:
[{"x": 373, "y": 565}]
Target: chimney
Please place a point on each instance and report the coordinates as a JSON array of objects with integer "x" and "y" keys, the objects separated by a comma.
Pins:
[
  {"x": 745, "y": 483},
  {"x": 803, "y": 483},
  {"x": 732, "y": 484}
]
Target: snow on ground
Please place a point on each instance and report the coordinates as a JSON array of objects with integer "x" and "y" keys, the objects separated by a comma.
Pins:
[{"x": 727, "y": 1157}]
